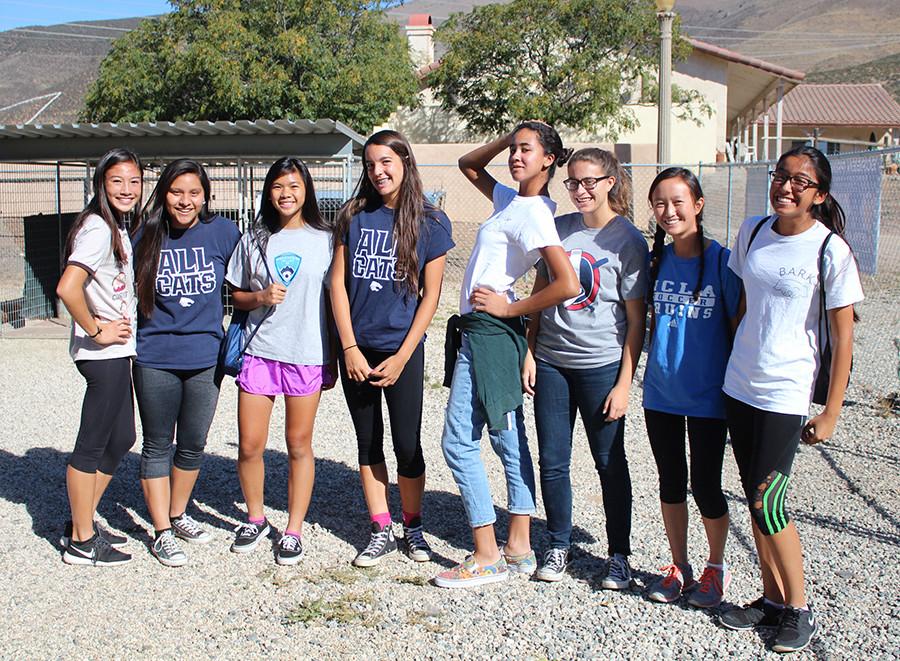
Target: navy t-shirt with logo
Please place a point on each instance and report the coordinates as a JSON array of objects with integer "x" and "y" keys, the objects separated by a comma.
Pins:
[
  {"x": 381, "y": 307},
  {"x": 185, "y": 329}
]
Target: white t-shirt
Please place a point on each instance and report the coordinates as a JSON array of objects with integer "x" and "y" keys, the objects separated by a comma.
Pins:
[
  {"x": 109, "y": 289},
  {"x": 508, "y": 243},
  {"x": 775, "y": 358}
]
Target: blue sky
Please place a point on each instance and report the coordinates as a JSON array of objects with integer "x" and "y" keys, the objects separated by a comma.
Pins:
[{"x": 21, "y": 13}]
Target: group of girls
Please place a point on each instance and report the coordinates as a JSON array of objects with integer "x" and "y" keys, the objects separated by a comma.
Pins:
[{"x": 734, "y": 346}]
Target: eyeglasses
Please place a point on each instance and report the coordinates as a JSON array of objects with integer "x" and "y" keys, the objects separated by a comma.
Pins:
[
  {"x": 798, "y": 183},
  {"x": 588, "y": 183}
]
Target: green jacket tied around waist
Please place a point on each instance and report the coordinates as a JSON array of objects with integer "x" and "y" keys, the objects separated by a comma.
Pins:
[{"x": 498, "y": 351}]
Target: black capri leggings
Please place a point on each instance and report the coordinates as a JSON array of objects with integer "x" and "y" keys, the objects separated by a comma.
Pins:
[
  {"x": 764, "y": 445},
  {"x": 106, "y": 433},
  {"x": 707, "y": 440},
  {"x": 404, "y": 402}
]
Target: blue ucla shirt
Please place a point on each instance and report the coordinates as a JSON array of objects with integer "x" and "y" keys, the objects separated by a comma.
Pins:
[
  {"x": 381, "y": 308},
  {"x": 691, "y": 339},
  {"x": 185, "y": 328}
]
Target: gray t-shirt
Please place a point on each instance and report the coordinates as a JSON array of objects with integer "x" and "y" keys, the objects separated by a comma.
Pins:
[
  {"x": 611, "y": 264},
  {"x": 296, "y": 332}
]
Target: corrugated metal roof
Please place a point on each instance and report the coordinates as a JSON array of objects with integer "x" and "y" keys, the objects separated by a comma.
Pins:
[
  {"x": 156, "y": 129},
  {"x": 864, "y": 104}
]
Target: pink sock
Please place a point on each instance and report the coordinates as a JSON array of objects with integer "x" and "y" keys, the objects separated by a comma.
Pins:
[
  {"x": 409, "y": 516},
  {"x": 292, "y": 533},
  {"x": 256, "y": 522},
  {"x": 383, "y": 519}
]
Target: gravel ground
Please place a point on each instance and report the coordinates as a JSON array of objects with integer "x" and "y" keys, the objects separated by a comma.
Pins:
[{"x": 845, "y": 497}]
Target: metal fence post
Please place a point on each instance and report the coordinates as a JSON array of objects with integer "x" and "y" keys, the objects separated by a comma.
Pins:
[{"x": 728, "y": 206}]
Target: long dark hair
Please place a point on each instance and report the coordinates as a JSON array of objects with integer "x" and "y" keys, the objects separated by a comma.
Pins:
[
  {"x": 154, "y": 226},
  {"x": 619, "y": 195},
  {"x": 268, "y": 222},
  {"x": 409, "y": 216},
  {"x": 659, "y": 237},
  {"x": 99, "y": 204},
  {"x": 829, "y": 213},
  {"x": 550, "y": 141}
]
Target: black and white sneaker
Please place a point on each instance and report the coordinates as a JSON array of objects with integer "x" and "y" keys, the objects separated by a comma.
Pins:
[
  {"x": 381, "y": 543},
  {"x": 756, "y": 614},
  {"x": 416, "y": 545},
  {"x": 290, "y": 550},
  {"x": 190, "y": 530},
  {"x": 114, "y": 540},
  {"x": 796, "y": 630},
  {"x": 96, "y": 552},
  {"x": 553, "y": 565},
  {"x": 167, "y": 550},
  {"x": 248, "y": 536}
]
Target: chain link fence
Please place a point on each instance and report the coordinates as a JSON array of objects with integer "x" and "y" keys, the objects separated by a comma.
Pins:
[{"x": 38, "y": 202}]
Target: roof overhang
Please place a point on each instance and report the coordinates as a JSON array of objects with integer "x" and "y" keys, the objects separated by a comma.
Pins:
[
  {"x": 750, "y": 80},
  {"x": 249, "y": 140}
]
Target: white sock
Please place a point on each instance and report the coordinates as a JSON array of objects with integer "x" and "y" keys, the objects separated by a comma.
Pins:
[{"x": 715, "y": 566}]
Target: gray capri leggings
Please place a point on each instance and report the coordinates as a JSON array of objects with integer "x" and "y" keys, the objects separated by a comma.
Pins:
[{"x": 174, "y": 405}]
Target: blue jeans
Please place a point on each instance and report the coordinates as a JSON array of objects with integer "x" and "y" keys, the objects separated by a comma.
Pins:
[
  {"x": 463, "y": 425},
  {"x": 559, "y": 392}
]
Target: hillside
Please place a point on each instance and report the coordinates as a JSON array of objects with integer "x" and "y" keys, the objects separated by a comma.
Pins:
[{"x": 885, "y": 70}]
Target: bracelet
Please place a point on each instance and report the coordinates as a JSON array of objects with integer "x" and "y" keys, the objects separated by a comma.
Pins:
[
  {"x": 99, "y": 330},
  {"x": 346, "y": 349}
]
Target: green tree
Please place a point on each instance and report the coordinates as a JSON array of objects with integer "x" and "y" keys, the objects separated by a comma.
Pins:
[
  {"x": 258, "y": 59},
  {"x": 569, "y": 62}
]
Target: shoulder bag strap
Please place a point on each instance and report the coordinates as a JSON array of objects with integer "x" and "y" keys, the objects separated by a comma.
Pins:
[
  {"x": 823, "y": 311},
  {"x": 756, "y": 229},
  {"x": 265, "y": 261}
]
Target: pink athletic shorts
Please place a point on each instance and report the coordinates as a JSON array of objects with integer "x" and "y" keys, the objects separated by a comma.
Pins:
[{"x": 262, "y": 376}]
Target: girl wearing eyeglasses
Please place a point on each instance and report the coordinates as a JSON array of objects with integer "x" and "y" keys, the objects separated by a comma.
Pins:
[
  {"x": 784, "y": 261},
  {"x": 582, "y": 356}
]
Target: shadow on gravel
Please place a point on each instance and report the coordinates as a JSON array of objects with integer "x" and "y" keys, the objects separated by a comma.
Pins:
[{"x": 37, "y": 480}]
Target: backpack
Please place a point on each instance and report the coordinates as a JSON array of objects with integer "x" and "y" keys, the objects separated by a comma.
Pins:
[{"x": 823, "y": 376}]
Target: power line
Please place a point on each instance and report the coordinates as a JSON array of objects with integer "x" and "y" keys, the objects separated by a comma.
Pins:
[{"x": 804, "y": 32}]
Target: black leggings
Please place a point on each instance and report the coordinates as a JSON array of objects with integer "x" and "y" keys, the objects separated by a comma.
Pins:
[
  {"x": 106, "y": 433},
  {"x": 706, "y": 437},
  {"x": 404, "y": 402},
  {"x": 764, "y": 445}
]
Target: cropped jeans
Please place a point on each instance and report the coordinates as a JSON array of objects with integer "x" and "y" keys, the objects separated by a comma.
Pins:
[{"x": 463, "y": 426}]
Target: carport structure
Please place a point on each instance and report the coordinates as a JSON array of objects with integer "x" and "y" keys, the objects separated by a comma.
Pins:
[{"x": 45, "y": 180}]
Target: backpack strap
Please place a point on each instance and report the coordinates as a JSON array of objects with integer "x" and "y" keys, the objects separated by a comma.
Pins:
[
  {"x": 823, "y": 311},
  {"x": 265, "y": 262},
  {"x": 756, "y": 231}
]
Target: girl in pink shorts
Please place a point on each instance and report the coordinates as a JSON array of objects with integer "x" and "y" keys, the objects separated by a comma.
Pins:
[{"x": 277, "y": 273}]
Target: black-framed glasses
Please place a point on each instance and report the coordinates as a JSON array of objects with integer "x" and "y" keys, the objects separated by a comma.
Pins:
[
  {"x": 588, "y": 183},
  {"x": 798, "y": 183}
]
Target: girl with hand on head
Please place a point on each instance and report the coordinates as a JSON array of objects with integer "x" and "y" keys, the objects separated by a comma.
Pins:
[
  {"x": 487, "y": 376},
  {"x": 586, "y": 350},
  {"x": 694, "y": 298},
  {"x": 279, "y": 273},
  {"x": 181, "y": 250},
  {"x": 800, "y": 282},
  {"x": 97, "y": 288},
  {"x": 389, "y": 257}
]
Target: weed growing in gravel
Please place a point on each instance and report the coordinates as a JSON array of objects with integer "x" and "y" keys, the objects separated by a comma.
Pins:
[
  {"x": 889, "y": 405},
  {"x": 347, "y": 609},
  {"x": 336, "y": 574},
  {"x": 412, "y": 579}
]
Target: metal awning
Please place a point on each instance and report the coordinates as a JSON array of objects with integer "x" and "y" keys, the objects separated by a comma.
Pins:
[{"x": 260, "y": 139}]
